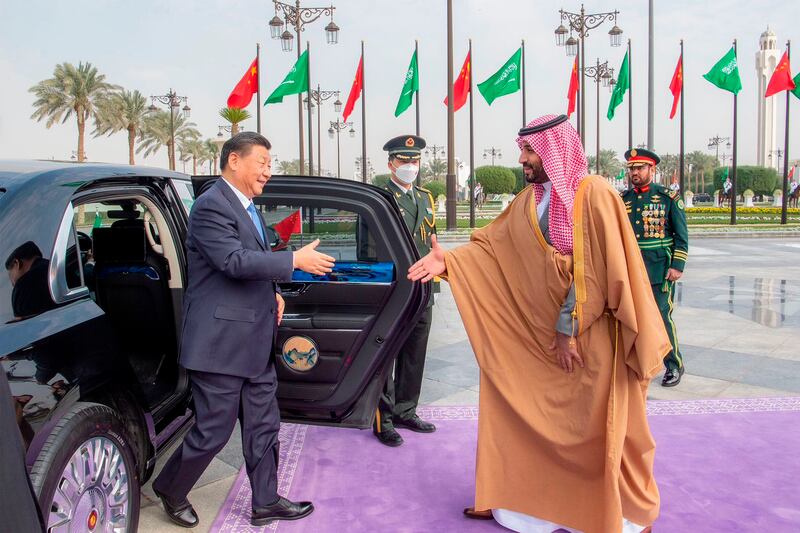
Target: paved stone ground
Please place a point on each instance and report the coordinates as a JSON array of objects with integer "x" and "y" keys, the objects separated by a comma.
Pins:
[{"x": 738, "y": 318}]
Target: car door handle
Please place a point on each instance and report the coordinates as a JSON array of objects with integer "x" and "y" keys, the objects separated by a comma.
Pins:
[{"x": 293, "y": 290}]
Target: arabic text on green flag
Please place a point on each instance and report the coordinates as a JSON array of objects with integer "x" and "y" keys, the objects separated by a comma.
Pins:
[
  {"x": 623, "y": 84},
  {"x": 410, "y": 87},
  {"x": 796, "y": 90},
  {"x": 295, "y": 82},
  {"x": 725, "y": 74},
  {"x": 505, "y": 81}
]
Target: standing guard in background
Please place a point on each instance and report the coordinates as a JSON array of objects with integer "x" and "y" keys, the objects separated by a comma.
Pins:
[
  {"x": 398, "y": 402},
  {"x": 659, "y": 222}
]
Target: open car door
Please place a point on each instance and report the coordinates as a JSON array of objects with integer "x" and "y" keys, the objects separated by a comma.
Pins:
[{"x": 341, "y": 332}]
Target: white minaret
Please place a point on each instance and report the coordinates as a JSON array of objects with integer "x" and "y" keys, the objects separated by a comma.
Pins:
[{"x": 766, "y": 61}]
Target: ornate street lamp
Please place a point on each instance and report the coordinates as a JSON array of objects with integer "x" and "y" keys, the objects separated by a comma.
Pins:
[
  {"x": 318, "y": 96},
  {"x": 494, "y": 152},
  {"x": 336, "y": 127},
  {"x": 297, "y": 17},
  {"x": 173, "y": 101},
  {"x": 581, "y": 23},
  {"x": 601, "y": 73},
  {"x": 561, "y": 34},
  {"x": 275, "y": 25}
]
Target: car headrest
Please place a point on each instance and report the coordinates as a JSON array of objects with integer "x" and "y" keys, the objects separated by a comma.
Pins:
[{"x": 119, "y": 245}]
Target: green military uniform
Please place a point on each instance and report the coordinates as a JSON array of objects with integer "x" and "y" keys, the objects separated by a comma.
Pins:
[
  {"x": 659, "y": 222},
  {"x": 400, "y": 396}
]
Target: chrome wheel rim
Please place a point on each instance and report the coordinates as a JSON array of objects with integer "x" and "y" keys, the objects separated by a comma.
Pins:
[{"x": 92, "y": 492}]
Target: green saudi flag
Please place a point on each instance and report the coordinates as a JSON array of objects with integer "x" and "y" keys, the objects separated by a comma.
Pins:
[
  {"x": 410, "y": 87},
  {"x": 295, "y": 82},
  {"x": 725, "y": 74},
  {"x": 796, "y": 90},
  {"x": 622, "y": 86},
  {"x": 505, "y": 81}
]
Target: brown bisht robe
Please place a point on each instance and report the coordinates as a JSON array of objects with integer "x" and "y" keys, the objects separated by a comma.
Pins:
[{"x": 573, "y": 449}]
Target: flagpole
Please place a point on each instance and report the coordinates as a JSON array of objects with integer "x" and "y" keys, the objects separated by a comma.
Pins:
[
  {"x": 630, "y": 97},
  {"x": 416, "y": 98},
  {"x": 683, "y": 148},
  {"x": 258, "y": 88},
  {"x": 319, "y": 126},
  {"x": 472, "y": 148},
  {"x": 524, "y": 72},
  {"x": 310, "y": 103},
  {"x": 578, "y": 107},
  {"x": 301, "y": 147},
  {"x": 363, "y": 118},
  {"x": 416, "y": 53},
  {"x": 733, "y": 160},
  {"x": 450, "y": 180},
  {"x": 785, "y": 199}
]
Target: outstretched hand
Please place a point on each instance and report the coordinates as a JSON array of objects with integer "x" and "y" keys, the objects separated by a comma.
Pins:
[
  {"x": 431, "y": 265},
  {"x": 308, "y": 259}
]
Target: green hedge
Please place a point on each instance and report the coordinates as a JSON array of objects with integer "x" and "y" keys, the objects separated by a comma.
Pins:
[
  {"x": 381, "y": 180},
  {"x": 496, "y": 180},
  {"x": 520, "y": 176},
  {"x": 761, "y": 180},
  {"x": 436, "y": 187}
]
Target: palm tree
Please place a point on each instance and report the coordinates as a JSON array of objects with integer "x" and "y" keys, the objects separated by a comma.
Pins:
[
  {"x": 195, "y": 150},
  {"x": 213, "y": 150},
  {"x": 435, "y": 168},
  {"x": 157, "y": 134},
  {"x": 123, "y": 110},
  {"x": 234, "y": 115},
  {"x": 71, "y": 90},
  {"x": 610, "y": 165},
  {"x": 291, "y": 168}
]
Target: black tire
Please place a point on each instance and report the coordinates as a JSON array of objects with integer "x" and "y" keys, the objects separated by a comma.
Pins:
[{"x": 97, "y": 432}]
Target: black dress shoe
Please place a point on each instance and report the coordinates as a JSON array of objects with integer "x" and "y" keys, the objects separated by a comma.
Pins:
[
  {"x": 672, "y": 377},
  {"x": 415, "y": 423},
  {"x": 181, "y": 513},
  {"x": 283, "y": 509},
  {"x": 389, "y": 437}
]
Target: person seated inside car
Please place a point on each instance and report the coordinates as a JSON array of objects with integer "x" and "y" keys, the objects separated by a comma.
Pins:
[{"x": 28, "y": 272}]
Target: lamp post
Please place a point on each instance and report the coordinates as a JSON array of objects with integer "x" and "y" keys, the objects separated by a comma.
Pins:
[
  {"x": 777, "y": 152},
  {"x": 435, "y": 151},
  {"x": 174, "y": 102},
  {"x": 370, "y": 169},
  {"x": 494, "y": 152},
  {"x": 581, "y": 23},
  {"x": 600, "y": 73},
  {"x": 716, "y": 141},
  {"x": 336, "y": 127},
  {"x": 318, "y": 96},
  {"x": 298, "y": 17}
]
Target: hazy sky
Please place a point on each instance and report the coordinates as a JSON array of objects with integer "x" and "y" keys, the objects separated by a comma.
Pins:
[{"x": 201, "y": 48}]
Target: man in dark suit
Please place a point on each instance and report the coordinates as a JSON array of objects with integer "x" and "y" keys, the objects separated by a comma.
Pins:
[{"x": 231, "y": 313}]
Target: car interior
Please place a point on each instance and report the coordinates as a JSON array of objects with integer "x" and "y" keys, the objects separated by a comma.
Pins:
[{"x": 129, "y": 273}]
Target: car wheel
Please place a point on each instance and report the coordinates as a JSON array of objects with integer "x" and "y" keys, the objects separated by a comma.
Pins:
[{"x": 85, "y": 475}]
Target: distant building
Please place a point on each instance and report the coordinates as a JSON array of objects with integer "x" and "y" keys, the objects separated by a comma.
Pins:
[{"x": 767, "y": 59}]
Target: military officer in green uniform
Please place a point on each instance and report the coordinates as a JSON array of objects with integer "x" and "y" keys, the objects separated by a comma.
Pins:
[
  {"x": 398, "y": 403},
  {"x": 659, "y": 222}
]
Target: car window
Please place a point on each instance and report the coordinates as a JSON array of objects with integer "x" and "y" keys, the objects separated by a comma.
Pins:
[
  {"x": 185, "y": 193},
  {"x": 342, "y": 234}
]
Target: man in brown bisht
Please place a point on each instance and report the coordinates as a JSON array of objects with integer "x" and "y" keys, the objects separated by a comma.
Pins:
[{"x": 558, "y": 308}]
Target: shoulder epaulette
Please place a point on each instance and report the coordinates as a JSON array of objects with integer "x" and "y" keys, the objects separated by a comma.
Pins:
[{"x": 672, "y": 194}]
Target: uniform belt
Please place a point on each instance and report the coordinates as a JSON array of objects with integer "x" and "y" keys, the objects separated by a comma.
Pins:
[{"x": 651, "y": 244}]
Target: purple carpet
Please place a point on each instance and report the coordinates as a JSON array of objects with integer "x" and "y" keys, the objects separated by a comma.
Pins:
[{"x": 721, "y": 465}]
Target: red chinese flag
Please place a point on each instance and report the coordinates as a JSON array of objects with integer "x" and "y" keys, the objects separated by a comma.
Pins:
[
  {"x": 355, "y": 90},
  {"x": 781, "y": 79},
  {"x": 572, "y": 92},
  {"x": 248, "y": 86},
  {"x": 288, "y": 226},
  {"x": 676, "y": 86},
  {"x": 461, "y": 86}
]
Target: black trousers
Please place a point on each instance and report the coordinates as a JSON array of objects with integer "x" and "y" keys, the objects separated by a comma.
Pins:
[
  {"x": 401, "y": 392},
  {"x": 219, "y": 400}
]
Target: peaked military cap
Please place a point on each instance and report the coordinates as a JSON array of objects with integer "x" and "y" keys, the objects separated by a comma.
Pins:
[
  {"x": 405, "y": 147},
  {"x": 641, "y": 156}
]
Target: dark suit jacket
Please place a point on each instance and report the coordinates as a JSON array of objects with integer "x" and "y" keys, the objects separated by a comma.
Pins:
[{"x": 229, "y": 310}]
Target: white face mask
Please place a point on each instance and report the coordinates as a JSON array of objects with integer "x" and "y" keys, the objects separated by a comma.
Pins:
[{"x": 407, "y": 173}]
